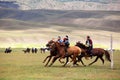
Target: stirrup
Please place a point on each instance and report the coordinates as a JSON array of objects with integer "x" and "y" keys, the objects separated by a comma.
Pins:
[
  {"x": 91, "y": 56},
  {"x": 66, "y": 54}
]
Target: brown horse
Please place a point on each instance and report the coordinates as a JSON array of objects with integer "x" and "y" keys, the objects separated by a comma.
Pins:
[
  {"x": 99, "y": 52},
  {"x": 53, "y": 52},
  {"x": 73, "y": 51}
]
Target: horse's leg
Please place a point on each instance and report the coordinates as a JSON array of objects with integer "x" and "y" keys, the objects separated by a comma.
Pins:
[
  {"x": 48, "y": 60},
  {"x": 40, "y": 50},
  {"x": 94, "y": 61},
  {"x": 67, "y": 59},
  {"x": 80, "y": 59},
  {"x": 75, "y": 63},
  {"x": 63, "y": 56},
  {"x": 60, "y": 60},
  {"x": 54, "y": 59},
  {"x": 102, "y": 59},
  {"x": 74, "y": 59},
  {"x": 44, "y": 51}
]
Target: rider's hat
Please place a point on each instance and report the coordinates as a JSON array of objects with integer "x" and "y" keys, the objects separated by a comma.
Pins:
[
  {"x": 66, "y": 35},
  {"x": 88, "y": 36},
  {"x": 59, "y": 37}
]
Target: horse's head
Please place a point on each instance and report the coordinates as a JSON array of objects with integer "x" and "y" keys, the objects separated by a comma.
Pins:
[
  {"x": 81, "y": 45},
  {"x": 49, "y": 43}
]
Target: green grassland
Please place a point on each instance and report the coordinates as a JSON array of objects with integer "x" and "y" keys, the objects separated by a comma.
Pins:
[
  {"x": 20, "y": 66},
  {"x": 34, "y": 28}
]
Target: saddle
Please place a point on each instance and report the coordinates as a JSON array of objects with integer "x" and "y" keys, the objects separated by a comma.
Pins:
[
  {"x": 90, "y": 53},
  {"x": 66, "y": 47}
]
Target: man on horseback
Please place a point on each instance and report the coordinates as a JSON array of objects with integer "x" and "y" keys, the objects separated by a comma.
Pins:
[
  {"x": 89, "y": 44},
  {"x": 59, "y": 39},
  {"x": 66, "y": 41}
]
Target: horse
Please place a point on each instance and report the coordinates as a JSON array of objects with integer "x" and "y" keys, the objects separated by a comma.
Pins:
[
  {"x": 53, "y": 52},
  {"x": 27, "y": 50},
  {"x": 98, "y": 52},
  {"x": 8, "y": 50},
  {"x": 73, "y": 51},
  {"x": 36, "y": 50}
]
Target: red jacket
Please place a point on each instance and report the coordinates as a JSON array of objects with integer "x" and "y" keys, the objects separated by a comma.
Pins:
[{"x": 89, "y": 42}]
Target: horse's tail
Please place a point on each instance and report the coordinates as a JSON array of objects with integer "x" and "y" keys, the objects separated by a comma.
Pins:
[{"x": 107, "y": 55}]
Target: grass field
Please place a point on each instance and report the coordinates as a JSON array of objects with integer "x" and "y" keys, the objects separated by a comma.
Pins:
[{"x": 20, "y": 66}]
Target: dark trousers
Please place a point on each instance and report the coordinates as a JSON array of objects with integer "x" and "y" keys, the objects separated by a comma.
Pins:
[
  {"x": 66, "y": 47},
  {"x": 90, "y": 49}
]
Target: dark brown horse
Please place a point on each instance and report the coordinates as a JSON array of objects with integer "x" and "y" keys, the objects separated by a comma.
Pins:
[
  {"x": 8, "y": 50},
  {"x": 26, "y": 50},
  {"x": 99, "y": 52},
  {"x": 60, "y": 48},
  {"x": 53, "y": 52}
]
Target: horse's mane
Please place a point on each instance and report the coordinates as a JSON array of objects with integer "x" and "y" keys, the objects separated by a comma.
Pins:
[{"x": 81, "y": 45}]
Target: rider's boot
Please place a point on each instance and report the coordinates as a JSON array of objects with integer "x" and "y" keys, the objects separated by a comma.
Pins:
[
  {"x": 91, "y": 54},
  {"x": 66, "y": 53}
]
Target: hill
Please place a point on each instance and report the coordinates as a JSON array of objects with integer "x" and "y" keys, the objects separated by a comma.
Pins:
[
  {"x": 99, "y": 20},
  {"x": 29, "y": 28},
  {"x": 62, "y": 4}
]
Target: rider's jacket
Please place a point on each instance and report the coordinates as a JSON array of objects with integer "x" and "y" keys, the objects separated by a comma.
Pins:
[
  {"x": 89, "y": 43},
  {"x": 66, "y": 40}
]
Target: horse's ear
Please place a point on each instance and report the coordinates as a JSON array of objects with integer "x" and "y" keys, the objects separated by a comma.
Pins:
[{"x": 53, "y": 39}]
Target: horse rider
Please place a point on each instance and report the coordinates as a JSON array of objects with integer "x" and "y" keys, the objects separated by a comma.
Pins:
[
  {"x": 89, "y": 44},
  {"x": 59, "y": 40},
  {"x": 66, "y": 41}
]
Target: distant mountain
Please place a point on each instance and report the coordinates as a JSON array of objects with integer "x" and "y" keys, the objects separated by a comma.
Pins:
[
  {"x": 62, "y": 4},
  {"x": 27, "y": 22},
  {"x": 99, "y": 20}
]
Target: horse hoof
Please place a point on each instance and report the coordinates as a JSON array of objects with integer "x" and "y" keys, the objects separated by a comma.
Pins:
[
  {"x": 62, "y": 62},
  {"x": 89, "y": 64},
  {"x": 49, "y": 66},
  {"x": 45, "y": 65},
  {"x": 85, "y": 65},
  {"x": 77, "y": 64},
  {"x": 63, "y": 66},
  {"x": 68, "y": 62}
]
